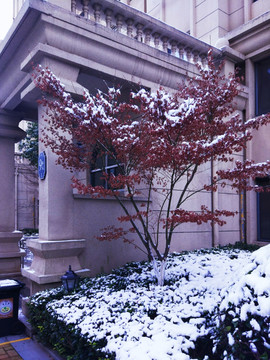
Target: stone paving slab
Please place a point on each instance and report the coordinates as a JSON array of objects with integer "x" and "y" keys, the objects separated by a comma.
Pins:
[
  {"x": 7, "y": 352},
  {"x": 21, "y": 347}
]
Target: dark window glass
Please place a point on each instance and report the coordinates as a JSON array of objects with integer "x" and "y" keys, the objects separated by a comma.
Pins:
[
  {"x": 263, "y": 210},
  {"x": 262, "y": 71},
  {"x": 100, "y": 165},
  {"x": 96, "y": 179},
  {"x": 264, "y": 216}
]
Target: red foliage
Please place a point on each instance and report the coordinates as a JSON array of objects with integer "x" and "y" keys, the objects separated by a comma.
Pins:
[
  {"x": 180, "y": 216},
  {"x": 157, "y": 140}
]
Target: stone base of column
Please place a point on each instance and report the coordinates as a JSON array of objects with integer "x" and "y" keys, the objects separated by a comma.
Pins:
[
  {"x": 51, "y": 260},
  {"x": 10, "y": 254}
]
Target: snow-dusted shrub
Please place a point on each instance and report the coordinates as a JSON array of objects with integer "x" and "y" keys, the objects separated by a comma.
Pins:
[
  {"x": 244, "y": 330},
  {"x": 63, "y": 338},
  {"x": 213, "y": 301}
]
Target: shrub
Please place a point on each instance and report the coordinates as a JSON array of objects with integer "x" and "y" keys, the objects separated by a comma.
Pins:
[
  {"x": 214, "y": 305},
  {"x": 66, "y": 340}
]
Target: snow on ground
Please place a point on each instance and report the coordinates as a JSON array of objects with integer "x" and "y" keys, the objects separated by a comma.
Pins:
[{"x": 141, "y": 320}]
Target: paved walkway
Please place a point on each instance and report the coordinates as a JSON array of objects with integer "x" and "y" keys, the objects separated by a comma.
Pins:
[
  {"x": 17, "y": 347},
  {"x": 7, "y": 352}
]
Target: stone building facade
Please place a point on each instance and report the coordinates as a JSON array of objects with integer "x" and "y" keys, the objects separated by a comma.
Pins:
[
  {"x": 26, "y": 194},
  {"x": 151, "y": 42},
  {"x": 241, "y": 28}
]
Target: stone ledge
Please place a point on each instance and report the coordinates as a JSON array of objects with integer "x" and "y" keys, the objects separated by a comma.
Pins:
[
  {"x": 11, "y": 235},
  {"x": 51, "y": 245},
  {"x": 11, "y": 275},
  {"x": 50, "y": 278},
  {"x": 12, "y": 254}
]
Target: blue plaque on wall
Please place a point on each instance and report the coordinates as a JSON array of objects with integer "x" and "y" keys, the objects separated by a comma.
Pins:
[{"x": 42, "y": 165}]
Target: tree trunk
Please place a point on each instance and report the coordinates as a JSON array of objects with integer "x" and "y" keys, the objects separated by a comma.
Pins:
[{"x": 159, "y": 271}]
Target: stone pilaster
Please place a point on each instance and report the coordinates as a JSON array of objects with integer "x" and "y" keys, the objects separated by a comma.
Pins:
[{"x": 57, "y": 246}]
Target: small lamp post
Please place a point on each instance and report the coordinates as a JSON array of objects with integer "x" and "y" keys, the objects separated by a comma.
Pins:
[{"x": 70, "y": 280}]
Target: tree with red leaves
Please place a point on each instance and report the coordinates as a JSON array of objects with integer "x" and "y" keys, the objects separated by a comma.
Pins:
[{"x": 155, "y": 141}]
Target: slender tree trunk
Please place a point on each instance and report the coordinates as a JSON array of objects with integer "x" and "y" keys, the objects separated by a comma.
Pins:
[{"x": 159, "y": 271}]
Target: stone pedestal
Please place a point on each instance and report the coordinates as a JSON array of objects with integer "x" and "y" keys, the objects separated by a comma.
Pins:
[
  {"x": 10, "y": 254},
  {"x": 51, "y": 260}
]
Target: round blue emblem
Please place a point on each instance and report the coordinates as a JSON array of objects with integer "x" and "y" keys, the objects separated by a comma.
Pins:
[{"x": 42, "y": 166}]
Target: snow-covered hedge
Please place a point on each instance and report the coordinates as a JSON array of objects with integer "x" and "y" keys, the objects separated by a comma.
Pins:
[
  {"x": 244, "y": 331},
  {"x": 215, "y": 305}
]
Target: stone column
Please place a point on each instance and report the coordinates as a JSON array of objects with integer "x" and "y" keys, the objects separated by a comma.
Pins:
[
  {"x": 10, "y": 253},
  {"x": 57, "y": 246}
]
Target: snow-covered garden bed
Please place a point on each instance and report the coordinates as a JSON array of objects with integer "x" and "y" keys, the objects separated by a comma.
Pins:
[{"x": 215, "y": 305}]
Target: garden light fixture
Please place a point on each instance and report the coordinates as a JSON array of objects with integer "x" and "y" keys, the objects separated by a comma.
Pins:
[{"x": 70, "y": 280}]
